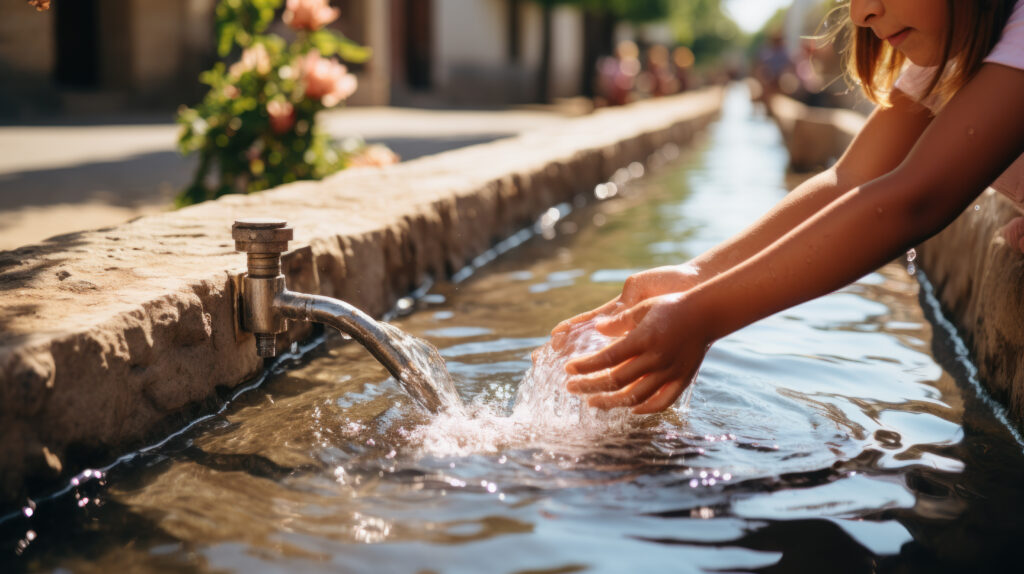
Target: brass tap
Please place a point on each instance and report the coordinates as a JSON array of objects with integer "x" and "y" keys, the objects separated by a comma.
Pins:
[{"x": 263, "y": 241}]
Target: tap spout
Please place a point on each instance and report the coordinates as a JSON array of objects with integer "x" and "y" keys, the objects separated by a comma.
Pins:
[{"x": 425, "y": 377}]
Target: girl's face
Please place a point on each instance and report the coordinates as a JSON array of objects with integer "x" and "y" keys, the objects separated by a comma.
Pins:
[{"x": 917, "y": 28}]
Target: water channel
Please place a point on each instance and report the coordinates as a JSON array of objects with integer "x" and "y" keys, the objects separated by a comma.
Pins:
[{"x": 843, "y": 435}]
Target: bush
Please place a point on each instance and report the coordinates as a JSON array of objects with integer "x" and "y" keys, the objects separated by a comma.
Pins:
[{"x": 256, "y": 127}]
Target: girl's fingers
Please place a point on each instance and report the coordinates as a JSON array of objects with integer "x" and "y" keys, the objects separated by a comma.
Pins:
[
  {"x": 618, "y": 325},
  {"x": 608, "y": 357},
  {"x": 614, "y": 379},
  {"x": 662, "y": 399},
  {"x": 561, "y": 330},
  {"x": 632, "y": 395}
]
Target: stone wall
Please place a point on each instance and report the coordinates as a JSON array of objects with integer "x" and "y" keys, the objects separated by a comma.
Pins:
[
  {"x": 815, "y": 137},
  {"x": 112, "y": 338},
  {"x": 978, "y": 277}
]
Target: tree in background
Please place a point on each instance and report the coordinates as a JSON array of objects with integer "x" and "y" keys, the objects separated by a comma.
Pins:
[
  {"x": 704, "y": 26},
  {"x": 255, "y": 128}
]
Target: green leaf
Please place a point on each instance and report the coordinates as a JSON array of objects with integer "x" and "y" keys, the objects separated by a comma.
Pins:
[{"x": 329, "y": 43}]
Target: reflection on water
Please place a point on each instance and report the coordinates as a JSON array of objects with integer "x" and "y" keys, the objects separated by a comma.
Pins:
[{"x": 827, "y": 438}]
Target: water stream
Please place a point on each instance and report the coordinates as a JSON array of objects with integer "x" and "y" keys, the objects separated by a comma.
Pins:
[{"x": 843, "y": 435}]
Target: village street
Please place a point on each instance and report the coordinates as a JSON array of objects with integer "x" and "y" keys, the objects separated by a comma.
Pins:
[{"x": 57, "y": 179}]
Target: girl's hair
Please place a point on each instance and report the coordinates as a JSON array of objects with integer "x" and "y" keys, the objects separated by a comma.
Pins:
[{"x": 974, "y": 28}]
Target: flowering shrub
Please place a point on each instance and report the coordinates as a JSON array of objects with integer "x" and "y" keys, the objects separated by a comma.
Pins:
[{"x": 255, "y": 127}]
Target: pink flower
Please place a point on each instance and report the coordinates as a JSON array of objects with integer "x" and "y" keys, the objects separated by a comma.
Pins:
[
  {"x": 309, "y": 14},
  {"x": 326, "y": 80},
  {"x": 373, "y": 156},
  {"x": 253, "y": 58},
  {"x": 282, "y": 116}
]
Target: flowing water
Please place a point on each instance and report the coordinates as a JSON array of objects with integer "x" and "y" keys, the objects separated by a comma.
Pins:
[{"x": 847, "y": 434}]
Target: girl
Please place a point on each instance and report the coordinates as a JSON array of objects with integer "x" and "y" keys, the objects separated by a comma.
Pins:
[{"x": 948, "y": 76}]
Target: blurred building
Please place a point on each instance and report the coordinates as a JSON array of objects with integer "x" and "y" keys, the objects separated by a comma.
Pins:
[
  {"x": 483, "y": 51},
  {"x": 108, "y": 56}
]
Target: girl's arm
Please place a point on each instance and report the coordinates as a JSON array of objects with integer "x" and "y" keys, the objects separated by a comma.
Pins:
[
  {"x": 977, "y": 135},
  {"x": 880, "y": 146}
]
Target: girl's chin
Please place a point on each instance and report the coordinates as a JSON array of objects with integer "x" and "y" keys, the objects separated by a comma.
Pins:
[{"x": 925, "y": 60}]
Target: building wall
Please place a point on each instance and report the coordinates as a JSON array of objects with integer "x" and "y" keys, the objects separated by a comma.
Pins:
[
  {"x": 26, "y": 39},
  {"x": 531, "y": 33},
  {"x": 27, "y": 56},
  {"x": 374, "y": 32},
  {"x": 566, "y": 52},
  {"x": 469, "y": 35},
  {"x": 158, "y": 28},
  {"x": 471, "y": 51}
]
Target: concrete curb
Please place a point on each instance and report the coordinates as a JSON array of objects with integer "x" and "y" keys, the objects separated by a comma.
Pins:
[
  {"x": 111, "y": 338},
  {"x": 977, "y": 277}
]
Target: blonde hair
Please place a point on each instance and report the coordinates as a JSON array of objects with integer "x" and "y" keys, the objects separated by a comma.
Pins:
[{"x": 974, "y": 28}]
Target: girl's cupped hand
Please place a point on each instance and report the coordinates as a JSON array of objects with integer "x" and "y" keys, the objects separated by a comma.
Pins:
[{"x": 662, "y": 342}]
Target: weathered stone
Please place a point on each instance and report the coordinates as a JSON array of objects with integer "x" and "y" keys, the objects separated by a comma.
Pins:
[
  {"x": 979, "y": 279},
  {"x": 113, "y": 337},
  {"x": 814, "y": 137}
]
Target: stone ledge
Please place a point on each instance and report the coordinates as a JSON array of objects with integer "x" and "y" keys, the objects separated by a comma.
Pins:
[
  {"x": 978, "y": 278},
  {"x": 110, "y": 338},
  {"x": 814, "y": 137}
]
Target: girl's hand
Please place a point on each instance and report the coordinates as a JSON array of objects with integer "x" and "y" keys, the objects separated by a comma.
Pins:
[
  {"x": 638, "y": 287},
  {"x": 647, "y": 369}
]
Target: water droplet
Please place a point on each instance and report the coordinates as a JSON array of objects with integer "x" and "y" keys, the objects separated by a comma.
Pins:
[
  {"x": 694, "y": 483},
  {"x": 28, "y": 511},
  {"x": 977, "y": 207},
  {"x": 503, "y": 459},
  {"x": 30, "y": 535}
]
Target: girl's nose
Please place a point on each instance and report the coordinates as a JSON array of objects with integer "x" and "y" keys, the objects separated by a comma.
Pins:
[{"x": 865, "y": 12}]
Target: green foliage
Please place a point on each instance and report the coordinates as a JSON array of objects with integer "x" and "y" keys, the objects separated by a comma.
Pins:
[
  {"x": 331, "y": 44},
  {"x": 704, "y": 26},
  {"x": 240, "y": 21},
  {"x": 241, "y": 147}
]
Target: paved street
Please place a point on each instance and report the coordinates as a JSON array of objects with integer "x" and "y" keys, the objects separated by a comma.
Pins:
[{"x": 57, "y": 179}]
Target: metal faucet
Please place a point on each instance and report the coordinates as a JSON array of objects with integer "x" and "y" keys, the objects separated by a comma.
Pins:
[{"x": 266, "y": 305}]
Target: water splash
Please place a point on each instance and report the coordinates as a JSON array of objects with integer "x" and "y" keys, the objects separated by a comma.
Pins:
[
  {"x": 911, "y": 257},
  {"x": 543, "y": 404},
  {"x": 543, "y": 414}
]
